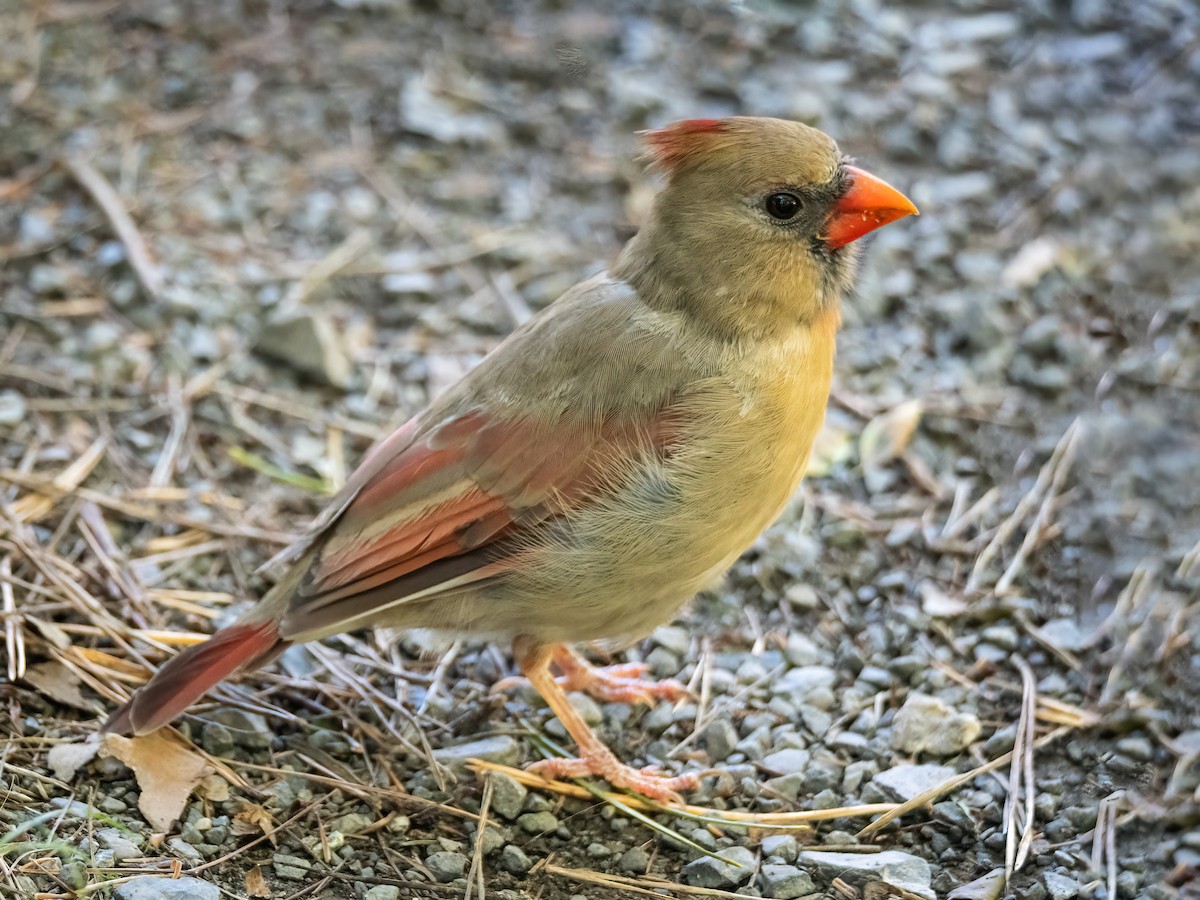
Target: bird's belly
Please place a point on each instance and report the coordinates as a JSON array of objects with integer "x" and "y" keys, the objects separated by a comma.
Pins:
[{"x": 625, "y": 566}]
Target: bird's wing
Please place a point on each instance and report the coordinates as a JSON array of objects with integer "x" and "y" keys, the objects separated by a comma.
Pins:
[{"x": 436, "y": 509}]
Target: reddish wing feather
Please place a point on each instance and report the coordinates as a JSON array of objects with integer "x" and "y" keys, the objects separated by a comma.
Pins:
[{"x": 450, "y": 507}]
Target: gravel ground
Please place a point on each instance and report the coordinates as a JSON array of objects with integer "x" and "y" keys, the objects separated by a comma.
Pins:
[{"x": 241, "y": 240}]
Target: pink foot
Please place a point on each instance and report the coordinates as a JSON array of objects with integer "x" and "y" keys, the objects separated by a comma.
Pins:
[{"x": 649, "y": 782}]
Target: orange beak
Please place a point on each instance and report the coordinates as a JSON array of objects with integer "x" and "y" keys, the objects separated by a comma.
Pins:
[{"x": 869, "y": 203}]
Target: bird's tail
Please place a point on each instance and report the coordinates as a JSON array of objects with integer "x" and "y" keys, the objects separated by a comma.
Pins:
[{"x": 184, "y": 679}]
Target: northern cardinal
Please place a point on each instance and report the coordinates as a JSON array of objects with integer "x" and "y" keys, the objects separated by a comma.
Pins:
[{"x": 608, "y": 460}]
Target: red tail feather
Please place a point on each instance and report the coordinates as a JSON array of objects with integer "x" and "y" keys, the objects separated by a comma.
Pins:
[{"x": 183, "y": 680}]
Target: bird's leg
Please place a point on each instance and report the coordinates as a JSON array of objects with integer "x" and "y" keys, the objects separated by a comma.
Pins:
[
  {"x": 594, "y": 758},
  {"x": 618, "y": 684}
]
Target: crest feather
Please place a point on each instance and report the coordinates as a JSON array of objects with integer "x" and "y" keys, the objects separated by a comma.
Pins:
[{"x": 670, "y": 147}]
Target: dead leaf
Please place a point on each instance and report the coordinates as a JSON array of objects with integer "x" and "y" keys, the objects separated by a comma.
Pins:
[
  {"x": 59, "y": 683},
  {"x": 67, "y": 759},
  {"x": 253, "y": 819},
  {"x": 885, "y": 436},
  {"x": 256, "y": 884},
  {"x": 831, "y": 446},
  {"x": 166, "y": 770}
]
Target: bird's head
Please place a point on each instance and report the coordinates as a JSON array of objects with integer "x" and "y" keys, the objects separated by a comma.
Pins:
[{"x": 757, "y": 219}]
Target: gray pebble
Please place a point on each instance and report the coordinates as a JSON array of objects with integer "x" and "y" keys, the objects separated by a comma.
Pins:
[
  {"x": 513, "y": 859},
  {"x": 382, "y": 892},
  {"x": 446, "y": 866},
  {"x": 720, "y": 738},
  {"x": 12, "y": 408},
  {"x": 508, "y": 795},
  {"x": 902, "y": 783},
  {"x": 118, "y": 842},
  {"x": 291, "y": 868},
  {"x": 537, "y": 822},
  {"x": 1060, "y": 887},
  {"x": 635, "y": 861},
  {"x": 184, "y": 849},
  {"x": 903, "y": 870},
  {"x": 149, "y": 888},
  {"x": 782, "y": 845},
  {"x": 249, "y": 730},
  {"x": 498, "y": 749},
  {"x": 790, "y": 761},
  {"x": 927, "y": 725},
  {"x": 351, "y": 823},
  {"x": 710, "y": 872},
  {"x": 785, "y": 882}
]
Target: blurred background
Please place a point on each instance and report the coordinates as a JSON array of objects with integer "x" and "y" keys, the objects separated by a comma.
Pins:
[{"x": 240, "y": 241}]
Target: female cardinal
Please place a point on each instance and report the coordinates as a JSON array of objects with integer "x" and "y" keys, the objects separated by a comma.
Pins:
[{"x": 609, "y": 459}]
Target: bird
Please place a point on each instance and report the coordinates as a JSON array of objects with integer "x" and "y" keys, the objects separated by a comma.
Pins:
[{"x": 609, "y": 459}]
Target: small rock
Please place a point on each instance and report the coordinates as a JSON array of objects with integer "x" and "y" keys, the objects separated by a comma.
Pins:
[
  {"x": 184, "y": 849},
  {"x": 821, "y": 775},
  {"x": 121, "y": 846},
  {"x": 674, "y": 637},
  {"x": 538, "y": 822},
  {"x": 902, "y": 783},
  {"x": 446, "y": 866},
  {"x": 785, "y": 882},
  {"x": 926, "y": 724},
  {"x": 801, "y": 683},
  {"x": 710, "y": 872},
  {"x": 635, "y": 861},
  {"x": 498, "y": 749},
  {"x": 309, "y": 343},
  {"x": 781, "y": 845},
  {"x": 787, "y": 762},
  {"x": 493, "y": 839},
  {"x": 149, "y": 888},
  {"x": 291, "y": 868},
  {"x": 383, "y": 892},
  {"x": 352, "y": 823},
  {"x": 508, "y": 795},
  {"x": 249, "y": 730},
  {"x": 1136, "y": 747},
  {"x": 720, "y": 739},
  {"x": 902, "y": 870},
  {"x": 1060, "y": 887},
  {"x": 513, "y": 859},
  {"x": 12, "y": 408}
]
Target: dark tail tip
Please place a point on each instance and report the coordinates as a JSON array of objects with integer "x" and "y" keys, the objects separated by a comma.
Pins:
[{"x": 191, "y": 673}]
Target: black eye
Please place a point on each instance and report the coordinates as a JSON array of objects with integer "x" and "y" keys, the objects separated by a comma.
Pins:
[{"x": 783, "y": 206}]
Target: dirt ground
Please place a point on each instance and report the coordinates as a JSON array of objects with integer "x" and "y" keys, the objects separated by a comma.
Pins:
[{"x": 239, "y": 241}]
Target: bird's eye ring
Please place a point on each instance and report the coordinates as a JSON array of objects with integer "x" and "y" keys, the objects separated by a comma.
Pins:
[{"x": 782, "y": 206}]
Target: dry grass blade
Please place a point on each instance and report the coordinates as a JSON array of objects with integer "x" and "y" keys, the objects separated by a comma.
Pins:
[
  {"x": 952, "y": 784},
  {"x": 127, "y": 233},
  {"x": 14, "y": 637},
  {"x": 36, "y": 506},
  {"x": 1062, "y": 462},
  {"x": 1018, "y": 826},
  {"x": 475, "y": 882},
  {"x": 326, "y": 268},
  {"x": 646, "y": 885},
  {"x": 1009, "y": 526},
  {"x": 146, "y": 513},
  {"x": 734, "y": 818},
  {"x": 1104, "y": 840}
]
